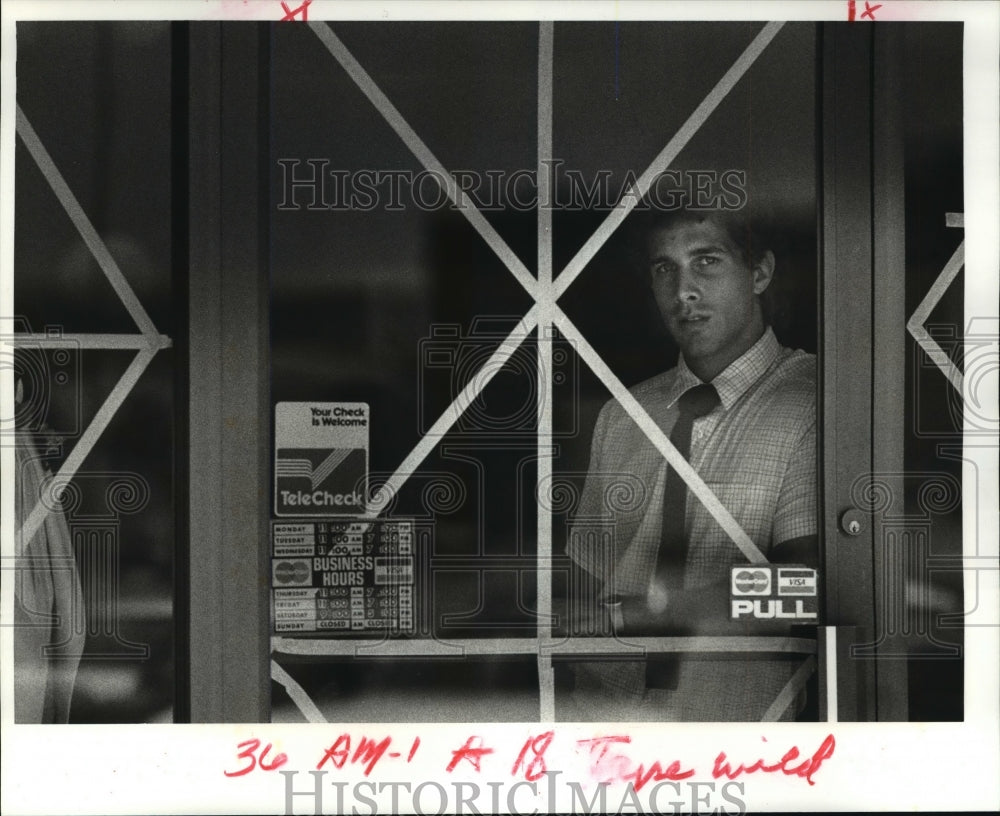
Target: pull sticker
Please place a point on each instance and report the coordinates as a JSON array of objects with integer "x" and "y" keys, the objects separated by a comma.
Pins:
[{"x": 773, "y": 592}]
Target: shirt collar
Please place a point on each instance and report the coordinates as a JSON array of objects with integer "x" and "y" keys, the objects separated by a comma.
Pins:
[{"x": 734, "y": 381}]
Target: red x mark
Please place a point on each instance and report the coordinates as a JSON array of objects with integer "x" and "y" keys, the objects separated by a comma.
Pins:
[
  {"x": 869, "y": 11},
  {"x": 290, "y": 13}
]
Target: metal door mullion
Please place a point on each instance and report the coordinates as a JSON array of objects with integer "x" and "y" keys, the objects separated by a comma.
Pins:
[
  {"x": 889, "y": 350},
  {"x": 845, "y": 407},
  {"x": 228, "y": 375}
]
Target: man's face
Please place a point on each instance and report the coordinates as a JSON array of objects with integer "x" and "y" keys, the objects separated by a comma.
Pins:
[{"x": 707, "y": 293}]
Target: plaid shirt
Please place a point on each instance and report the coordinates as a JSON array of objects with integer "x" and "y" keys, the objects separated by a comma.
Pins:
[{"x": 756, "y": 451}]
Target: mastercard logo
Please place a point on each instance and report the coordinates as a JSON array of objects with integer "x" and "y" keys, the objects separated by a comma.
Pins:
[
  {"x": 752, "y": 582},
  {"x": 292, "y": 572}
]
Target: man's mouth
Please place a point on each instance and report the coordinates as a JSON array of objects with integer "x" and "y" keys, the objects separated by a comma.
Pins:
[{"x": 691, "y": 319}]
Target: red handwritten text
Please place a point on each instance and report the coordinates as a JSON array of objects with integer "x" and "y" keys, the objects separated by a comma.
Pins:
[
  {"x": 290, "y": 14},
  {"x": 535, "y": 769},
  {"x": 248, "y": 751},
  {"x": 869, "y": 11},
  {"x": 470, "y": 753},
  {"x": 608, "y": 766},
  {"x": 368, "y": 752},
  {"x": 608, "y": 756},
  {"x": 805, "y": 769}
]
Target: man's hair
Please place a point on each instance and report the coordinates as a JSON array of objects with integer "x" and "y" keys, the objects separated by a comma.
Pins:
[{"x": 745, "y": 232}]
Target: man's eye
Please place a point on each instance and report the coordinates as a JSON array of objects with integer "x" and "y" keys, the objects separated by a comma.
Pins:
[
  {"x": 706, "y": 260},
  {"x": 662, "y": 269}
]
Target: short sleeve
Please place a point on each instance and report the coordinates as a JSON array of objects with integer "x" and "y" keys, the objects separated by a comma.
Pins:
[{"x": 796, "y": 512}]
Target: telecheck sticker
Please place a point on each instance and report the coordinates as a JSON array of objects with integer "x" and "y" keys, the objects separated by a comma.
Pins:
[{"x": 320, "y": 458}]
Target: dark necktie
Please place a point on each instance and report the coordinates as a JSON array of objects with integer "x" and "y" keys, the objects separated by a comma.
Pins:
[
  {"x": 694, "y": 403},
  {"x": 661, "y": 670}
]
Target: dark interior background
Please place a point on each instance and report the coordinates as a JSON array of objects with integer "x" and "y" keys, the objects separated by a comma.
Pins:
[
  {"x": 99, "y": 97},
  {"x": 932, "y": 108}
]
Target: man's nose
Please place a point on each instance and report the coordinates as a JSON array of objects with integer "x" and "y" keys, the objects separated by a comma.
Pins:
[{"x": 687, "y": 286}]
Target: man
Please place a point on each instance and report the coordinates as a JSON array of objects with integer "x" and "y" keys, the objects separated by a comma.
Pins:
[{"x": 746, "y": 409}]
